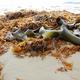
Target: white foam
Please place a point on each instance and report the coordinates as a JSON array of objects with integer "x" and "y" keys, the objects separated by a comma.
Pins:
[{"x": 12, "y": 5}]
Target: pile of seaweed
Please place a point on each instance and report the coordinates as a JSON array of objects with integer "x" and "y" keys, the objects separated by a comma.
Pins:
[{"x": 35, "y": 33}]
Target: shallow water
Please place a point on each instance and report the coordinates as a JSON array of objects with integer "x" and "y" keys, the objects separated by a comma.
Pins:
[{"x": 35, "y": 68}]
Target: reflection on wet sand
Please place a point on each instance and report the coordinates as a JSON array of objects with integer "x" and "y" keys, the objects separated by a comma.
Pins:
[{"x": 34, "y": 68}]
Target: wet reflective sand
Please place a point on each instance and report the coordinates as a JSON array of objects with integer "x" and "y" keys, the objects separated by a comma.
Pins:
[{"x": 35, "y": 68}]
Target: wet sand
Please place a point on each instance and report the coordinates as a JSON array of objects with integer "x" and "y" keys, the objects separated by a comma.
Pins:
[{"x": 36, "y": 68}]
